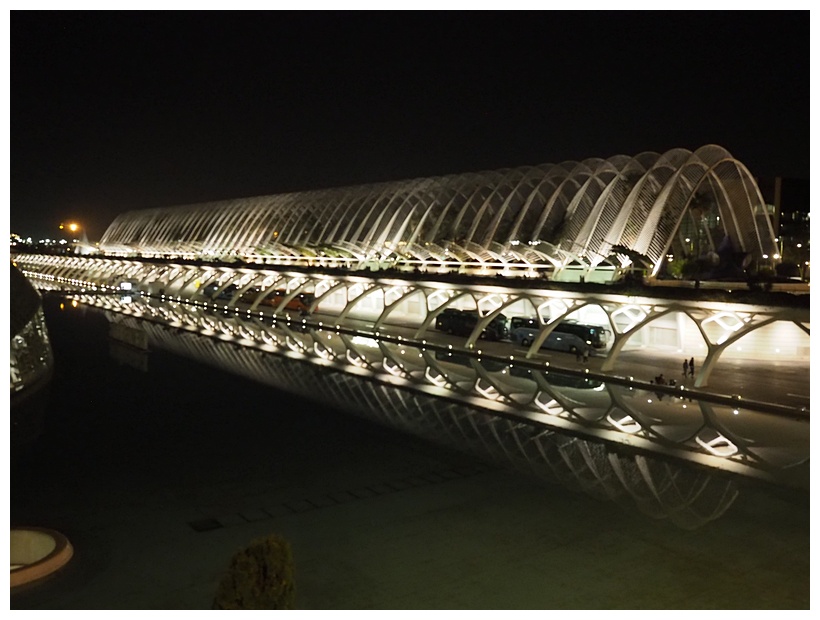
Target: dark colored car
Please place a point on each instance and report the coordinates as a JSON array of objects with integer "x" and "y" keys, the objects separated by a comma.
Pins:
[
  {"x": 212, "y": 291},
  {"x": 463, "y": 322}
]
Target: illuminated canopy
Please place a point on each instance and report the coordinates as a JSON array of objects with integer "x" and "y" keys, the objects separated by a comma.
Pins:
[{"x": 563, "y": 218}]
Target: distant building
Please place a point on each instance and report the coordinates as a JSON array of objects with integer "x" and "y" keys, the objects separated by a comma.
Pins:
[
  {"x": 788, "y": 202},
  {"x": 31, "y": 361}
]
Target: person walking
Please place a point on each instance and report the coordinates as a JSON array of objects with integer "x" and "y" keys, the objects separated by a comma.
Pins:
[
  {"x": 691, "y": 366},
  {"x": 586, "y": 355},
  {"x": 685, "y": 368}
]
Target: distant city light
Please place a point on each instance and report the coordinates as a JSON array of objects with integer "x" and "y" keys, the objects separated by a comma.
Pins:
[{"x": 72, "y": 226}]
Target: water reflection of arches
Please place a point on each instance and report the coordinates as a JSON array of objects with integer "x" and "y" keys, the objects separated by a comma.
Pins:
[
  {"x": 552, "y": 394},
  {"x": 660, "y": 490},
  {"x": 513, "y": 414}
]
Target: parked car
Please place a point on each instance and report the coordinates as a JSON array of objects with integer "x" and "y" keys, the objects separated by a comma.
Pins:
[
  {"x": 463, "y": 322},
  {"x": 213, "y": 291},
  {"x": 300, "y": 303},
  {"x": 557, "y": 341}
]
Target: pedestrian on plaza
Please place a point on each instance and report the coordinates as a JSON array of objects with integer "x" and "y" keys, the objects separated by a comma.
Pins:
[
  {"x": 691, "y": 366},
  {"x": 586, "y": 355},
  {"x": 685, "y": 368}
]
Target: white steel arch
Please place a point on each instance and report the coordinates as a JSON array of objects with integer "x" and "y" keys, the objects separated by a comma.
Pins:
[{"x": 569, "y": 213}]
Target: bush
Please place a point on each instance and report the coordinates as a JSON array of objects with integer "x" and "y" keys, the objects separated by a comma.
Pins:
[
  {"x": 259, "y": 577},
  {"x": 675, "y": 267}
]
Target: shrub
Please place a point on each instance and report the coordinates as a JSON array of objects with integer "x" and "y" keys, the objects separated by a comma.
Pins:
[
  {"x": 259, "y": 577},
  {"x": 675, "y": 267}
]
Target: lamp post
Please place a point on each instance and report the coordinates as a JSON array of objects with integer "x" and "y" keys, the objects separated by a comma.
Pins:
[
  {"x": 71, "y": 227},
  {"x": 77, "y": 235}
]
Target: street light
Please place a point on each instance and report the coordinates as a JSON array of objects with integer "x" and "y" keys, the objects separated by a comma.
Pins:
[
  {"x": 77, "y": 234},
  {"x": 71, "y": 226}
]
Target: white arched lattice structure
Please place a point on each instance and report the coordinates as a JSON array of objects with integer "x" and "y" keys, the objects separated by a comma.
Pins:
[
  {"x": 709, "y": 329},
  {"x": 571, "y": 220},
  {"x": 515, "y": 411}
]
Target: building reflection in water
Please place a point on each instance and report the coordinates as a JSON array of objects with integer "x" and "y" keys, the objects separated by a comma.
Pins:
[
  {"x": 31, "y": 361},
  {"x": 666, "y": 453}
]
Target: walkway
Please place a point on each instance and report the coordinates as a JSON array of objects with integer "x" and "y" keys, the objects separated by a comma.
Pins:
[{"x": 784, "y": 383}]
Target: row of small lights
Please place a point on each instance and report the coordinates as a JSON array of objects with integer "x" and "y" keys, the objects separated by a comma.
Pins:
[
  {"x": 28, "y": 241},
  {"x": 93, "y": 286},
  {"x": 179, "y": 300}
]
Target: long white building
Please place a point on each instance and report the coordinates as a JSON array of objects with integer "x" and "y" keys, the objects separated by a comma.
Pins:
[{"x": 567, "y": 221}]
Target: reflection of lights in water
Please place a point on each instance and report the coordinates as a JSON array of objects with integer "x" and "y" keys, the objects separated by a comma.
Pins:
[
  {"x": 718, "y": 445},
  {"x": 368, "y": 342},
  {"x": 574, "y": 411},
  {"x": 627, "y": 424}
]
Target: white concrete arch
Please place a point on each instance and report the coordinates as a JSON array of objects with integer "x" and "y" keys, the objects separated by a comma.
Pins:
[{"x": 470, "y": 219}]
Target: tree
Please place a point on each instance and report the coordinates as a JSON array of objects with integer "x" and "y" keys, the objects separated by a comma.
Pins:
[{"x": 259, "y": 577}]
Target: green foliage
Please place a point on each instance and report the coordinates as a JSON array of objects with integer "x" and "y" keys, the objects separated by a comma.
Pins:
[
  {"x": 675, "y": 268},
  {"x": 259, "y": 577},
  {"x": 691, "y": 268}
]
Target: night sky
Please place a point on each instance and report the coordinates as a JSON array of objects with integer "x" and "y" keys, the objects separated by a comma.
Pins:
[{"x": 111, "y": 112}]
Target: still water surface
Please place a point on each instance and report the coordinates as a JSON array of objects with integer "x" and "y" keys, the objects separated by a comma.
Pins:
[{"x": 157, "y": 475}]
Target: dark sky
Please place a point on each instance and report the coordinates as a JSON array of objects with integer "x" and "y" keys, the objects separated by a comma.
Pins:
[{"x": 113, "y": 111}]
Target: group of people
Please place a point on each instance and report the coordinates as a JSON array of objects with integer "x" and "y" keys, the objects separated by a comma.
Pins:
[{"x": 688, "y": 371}]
